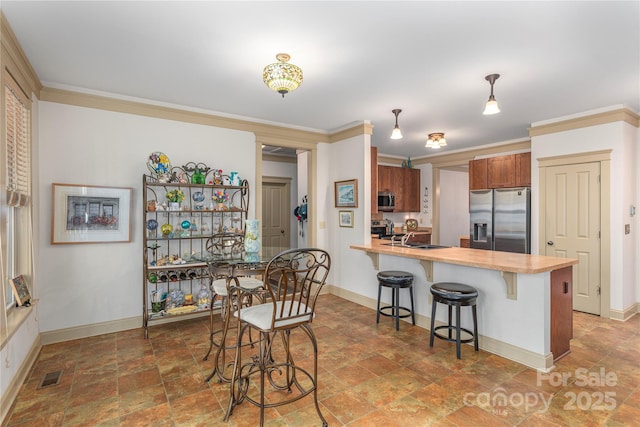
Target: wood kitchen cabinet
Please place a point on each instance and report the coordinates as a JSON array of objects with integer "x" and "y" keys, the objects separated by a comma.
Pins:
[
  {"x": 385, "y": 179},
  {"x": 405, "y": 183},
  {"x": 410, "y": 201},
  {"x": 512, "y": 170},
  {"x": 523, "y": 170},
  {"x": 501, "y": 171},
  {"x": 561, "y": 311},
  {"x": 478, "y": 174}
]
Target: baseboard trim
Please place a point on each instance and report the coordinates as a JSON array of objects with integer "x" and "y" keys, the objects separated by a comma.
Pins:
[
  {"x": 10, "y": 395},
  {"x": 626, "y": 314},
  {"x": 86, "y": 331},
  {"x": 517, "y": 354},
  {"x": 508, "y": 351}
]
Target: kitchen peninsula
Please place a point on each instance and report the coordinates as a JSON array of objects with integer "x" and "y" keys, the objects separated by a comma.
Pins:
[{"x": 524, "y": 303}]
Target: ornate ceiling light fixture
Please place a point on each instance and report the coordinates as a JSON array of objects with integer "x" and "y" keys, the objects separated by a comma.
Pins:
[
  {"x": 436, "y": 140},
  {"x": 396, "y": 134},
  {"x": 492, "y": 105},
  {"x": 282, "y": 76}
]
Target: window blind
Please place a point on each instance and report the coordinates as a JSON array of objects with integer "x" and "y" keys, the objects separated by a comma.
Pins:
[{"x": 17, "y": 127}]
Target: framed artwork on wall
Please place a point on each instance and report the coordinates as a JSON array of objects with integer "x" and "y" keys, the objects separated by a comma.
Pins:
[
  {"x": 90, "y": 214},
  {"x": 346, "y": 193},
  {"x": 345, "y": 218}
]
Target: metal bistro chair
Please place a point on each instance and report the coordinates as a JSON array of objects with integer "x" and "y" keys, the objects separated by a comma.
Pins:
[
  {"x": 225, "y": 246},
  {"x": 293, "y": 280}
]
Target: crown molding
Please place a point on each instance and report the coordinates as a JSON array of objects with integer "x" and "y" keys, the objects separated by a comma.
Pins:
[{"x": 617, "y": 115}]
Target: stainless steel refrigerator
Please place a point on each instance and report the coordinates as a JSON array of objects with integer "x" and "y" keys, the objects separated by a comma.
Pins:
[{"x": 501, "y": 219}]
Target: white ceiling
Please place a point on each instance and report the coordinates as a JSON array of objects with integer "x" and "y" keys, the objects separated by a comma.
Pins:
[{"x": 360, "y": 59}]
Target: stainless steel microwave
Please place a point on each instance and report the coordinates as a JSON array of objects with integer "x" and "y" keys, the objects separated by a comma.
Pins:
[{"x": 386, "y": 201}]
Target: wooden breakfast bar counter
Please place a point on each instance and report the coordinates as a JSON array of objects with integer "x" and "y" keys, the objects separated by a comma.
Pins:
[{"x": 524, "y": 303}]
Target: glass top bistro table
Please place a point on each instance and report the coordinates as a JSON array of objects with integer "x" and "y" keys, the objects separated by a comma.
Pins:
[{"x": 231, "y": 269}]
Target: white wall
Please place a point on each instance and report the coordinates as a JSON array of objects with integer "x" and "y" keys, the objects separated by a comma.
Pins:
[
  {"x": 622, "y": 139},
  {"x": 286, "y": 170},
  {"x": 349, "y": 159},
  {"x": 630, "y": 241},
  {"x": 454, "y": 206},
  {"x": 85, "y": 284}
]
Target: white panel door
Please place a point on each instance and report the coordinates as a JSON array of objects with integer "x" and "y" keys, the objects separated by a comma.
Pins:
[{"x": 572, "y": 227}]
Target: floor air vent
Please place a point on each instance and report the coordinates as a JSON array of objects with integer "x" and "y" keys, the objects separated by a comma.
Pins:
[{"x": 52, "y": 378}]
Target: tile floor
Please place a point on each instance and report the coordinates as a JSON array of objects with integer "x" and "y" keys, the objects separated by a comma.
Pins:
[{"x": 370, "y": 375}]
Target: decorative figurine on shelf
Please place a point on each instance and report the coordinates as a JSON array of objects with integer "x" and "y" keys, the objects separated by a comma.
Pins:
[
  {"x": 154, "y": 253},
  {"x": 175, "y": 197},
  {"x": 158, "y": 163},
  {"x": 152, "y": 226},
  {"x": 217, "y": 177},
  {"x": 157, "y": 301},
  {"x": 204, "y": 297},
  {"x": 175, "y": 298},
  {"x": 198, "y": 198},
  {"x": 220, "y": 197},
  {"x": 166, "y": 229},
  {"x": 234, "y": 178},
  {"x": 186, "y": 227},
  {"x": 197, "y": 177}
]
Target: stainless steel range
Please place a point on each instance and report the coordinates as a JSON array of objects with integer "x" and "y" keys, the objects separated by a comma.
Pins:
[{"x": 378, "y": 227}]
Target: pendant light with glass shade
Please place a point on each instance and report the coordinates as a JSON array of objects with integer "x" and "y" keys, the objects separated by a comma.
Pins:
[
  {"x": 436, "y": 140},
  {"x": 396, "y": 134},
  {"x": 282, "y": 76},
  {"x": 492, "y": 105}
]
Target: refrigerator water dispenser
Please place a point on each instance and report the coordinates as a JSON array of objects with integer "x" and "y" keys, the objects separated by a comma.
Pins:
[{"x": 480, "y": 232}]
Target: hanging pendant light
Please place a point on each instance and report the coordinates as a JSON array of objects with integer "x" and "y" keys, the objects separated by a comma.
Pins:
[
  {"x": 436, "y": 140},
  {"x": 282, "y": 76},
  {"x": 492, "y": 105},
  {"x": 396, "y": 133}
]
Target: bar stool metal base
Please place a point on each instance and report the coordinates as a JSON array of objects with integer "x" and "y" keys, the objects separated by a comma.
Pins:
[
  {"x": 395, "y": 280},
  {"x": 454, "y": 295}
]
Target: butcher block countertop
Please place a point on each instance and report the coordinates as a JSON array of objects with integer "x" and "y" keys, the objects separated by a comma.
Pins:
[{"x": 491, "y": 260}]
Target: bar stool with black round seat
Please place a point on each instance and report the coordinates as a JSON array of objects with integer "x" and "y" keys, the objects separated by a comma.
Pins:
[
  {"x": 458, "y": 295},
  {"x": 395, "y": 280}
]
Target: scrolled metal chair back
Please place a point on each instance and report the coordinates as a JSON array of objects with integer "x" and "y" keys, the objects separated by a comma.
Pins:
[
  {"x": 226, "y": 245},
  {"x": 294, "y": 279}
]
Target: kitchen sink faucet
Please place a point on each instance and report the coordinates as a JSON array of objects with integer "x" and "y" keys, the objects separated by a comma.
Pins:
[{"x": 406, "y": 237}]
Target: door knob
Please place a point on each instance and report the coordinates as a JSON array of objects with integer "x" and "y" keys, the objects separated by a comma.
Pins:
[
  {"x": 550, "y": 243},
  {"x": 281, "y": 231}
]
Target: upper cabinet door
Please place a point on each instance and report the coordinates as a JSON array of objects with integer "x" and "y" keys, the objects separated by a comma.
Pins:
[
  {"x": 385, "y": 182},
  {"x": 501, "y": 171},
  {"x": 411, "y": 190},
  {"x": 478, "y": 174},
  {"x": 523, "y": 170}
]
